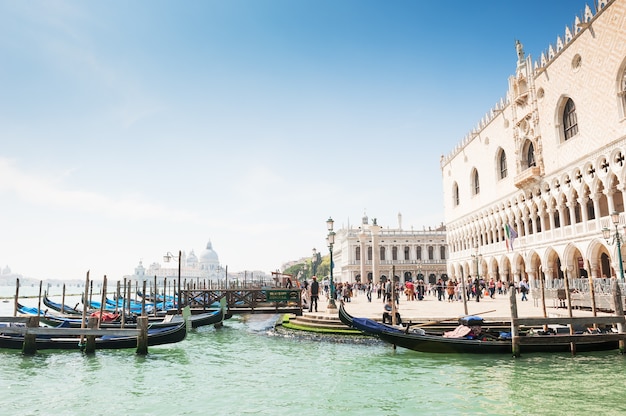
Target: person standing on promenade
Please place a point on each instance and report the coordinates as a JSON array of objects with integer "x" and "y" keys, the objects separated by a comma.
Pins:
[
  {"x": 440, "y": 290},
  {"x": 314, "y": 293},
  {"x": 523, "y": 287},
  {"x": 492, "y": 288},
  {"x": 450, "y": 289},
  {"x": 387, "y": 291},
  {"x": 477, "y": 289},
  {"x": 369, "y": 291}
]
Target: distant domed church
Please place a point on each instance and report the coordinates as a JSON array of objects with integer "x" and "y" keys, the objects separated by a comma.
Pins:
[{"x": 205, "y": 266}]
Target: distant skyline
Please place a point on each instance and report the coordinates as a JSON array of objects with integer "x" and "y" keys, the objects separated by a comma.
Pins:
[{"x": 130, "y": 129}]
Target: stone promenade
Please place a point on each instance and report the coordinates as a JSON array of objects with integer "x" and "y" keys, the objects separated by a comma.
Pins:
[{"x": 431, "y": 309}]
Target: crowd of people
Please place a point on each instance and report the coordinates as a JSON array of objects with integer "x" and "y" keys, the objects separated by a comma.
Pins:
[{"x": 444, "y": 291}]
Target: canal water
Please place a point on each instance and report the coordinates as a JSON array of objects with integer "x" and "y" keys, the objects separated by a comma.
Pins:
[{"x": 246, "y": 368}]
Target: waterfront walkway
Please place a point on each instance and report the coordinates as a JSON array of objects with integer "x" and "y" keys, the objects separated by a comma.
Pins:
[{"x": 432, "y": 309}]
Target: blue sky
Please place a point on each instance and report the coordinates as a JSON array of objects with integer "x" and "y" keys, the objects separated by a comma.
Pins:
[{"x": 129, "y": 129}]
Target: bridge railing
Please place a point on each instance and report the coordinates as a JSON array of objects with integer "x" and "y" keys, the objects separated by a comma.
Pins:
[{"x": 244, "y": 300}]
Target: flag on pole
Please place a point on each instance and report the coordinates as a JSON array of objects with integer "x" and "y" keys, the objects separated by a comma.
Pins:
[{"x": 511, "y": 235}]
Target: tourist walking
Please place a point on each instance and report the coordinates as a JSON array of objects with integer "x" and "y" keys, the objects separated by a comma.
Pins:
[
  {"x": 440, "y": 289},
  {"x": 523, "y": 287},
  {"x": 477, "y": 289},
  {"x": 314, "y": 293},
  {"x": 492, "y": 288},
  {"x": 451, "y": 290}
]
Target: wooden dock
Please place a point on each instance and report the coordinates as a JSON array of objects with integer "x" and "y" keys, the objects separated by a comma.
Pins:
[
  {"x": 258, "y": 300},
  {"x": 617, "y": 320}
]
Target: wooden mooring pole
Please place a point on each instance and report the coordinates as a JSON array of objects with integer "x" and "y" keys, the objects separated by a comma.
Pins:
[
  {"x": 29, "y": 347},
  {"x": 514, "y": 329},
  {"x": 90, "y": 342},
  {"x": 619, "y": 310},
  {"x": 142, "y": 338}
]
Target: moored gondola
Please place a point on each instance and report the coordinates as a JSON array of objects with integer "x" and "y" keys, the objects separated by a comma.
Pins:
[
  {"x": 156, "y": 336},
  {"x": 471, "y": 338}
]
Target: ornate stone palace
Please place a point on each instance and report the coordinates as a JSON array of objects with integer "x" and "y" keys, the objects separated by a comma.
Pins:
[
  {"x": 370, "y": 252},
  {"x": 530, "y": 189}
]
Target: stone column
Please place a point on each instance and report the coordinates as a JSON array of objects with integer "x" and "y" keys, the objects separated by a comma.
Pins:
[
  {"x": 363, "y": 250},
  {"x": 375, "y": 230},
  {"x": 583, "y": 208}
]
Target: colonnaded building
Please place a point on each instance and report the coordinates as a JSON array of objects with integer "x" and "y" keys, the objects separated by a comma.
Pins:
[
  {"x": 547, "y": 163},
  {"x": 370, "y": 252}
]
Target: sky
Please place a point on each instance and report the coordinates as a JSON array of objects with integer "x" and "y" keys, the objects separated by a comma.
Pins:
[{"x": 133, "y": 129}]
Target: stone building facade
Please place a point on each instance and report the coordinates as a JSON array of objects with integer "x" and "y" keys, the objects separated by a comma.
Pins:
[
  {"x": 547, "y": 164},
  {"x": 371, "y": 252}
]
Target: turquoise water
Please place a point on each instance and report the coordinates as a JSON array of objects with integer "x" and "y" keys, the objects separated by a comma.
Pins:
[{"x": 245, "y": 368}]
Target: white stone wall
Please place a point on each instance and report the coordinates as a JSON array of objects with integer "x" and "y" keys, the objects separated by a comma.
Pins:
[{"x": 588, "y": 168}]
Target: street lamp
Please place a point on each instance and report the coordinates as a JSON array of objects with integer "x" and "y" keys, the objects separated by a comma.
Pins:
[
  {"x": 419, "y": 269},
  {"x": 314, "y": 262},
  {"x": 331, "y": 241},
  {"x": 167, "y": 258},
  {"x": 617, "y": 239}
]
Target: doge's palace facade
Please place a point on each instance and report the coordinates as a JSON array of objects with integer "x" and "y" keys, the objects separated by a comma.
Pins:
[{"x": 547, "y": 162}]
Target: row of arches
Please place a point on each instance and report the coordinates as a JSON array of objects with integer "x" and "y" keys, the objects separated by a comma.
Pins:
[
  {"x": 592, "y": 259},
  {"x": 572, "y": 198}
]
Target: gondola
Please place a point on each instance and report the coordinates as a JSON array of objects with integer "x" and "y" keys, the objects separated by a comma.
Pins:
[
  {"x": 365, "y": 325},
  {"x": 195, "y": 320},
  {"x": 200, "y": 319},
  {"x": 156, "y": 336},
  {"x": 488, "y": 341},
  {"x": 64, "y": 309},
  {"x": 423, "y": 342}
]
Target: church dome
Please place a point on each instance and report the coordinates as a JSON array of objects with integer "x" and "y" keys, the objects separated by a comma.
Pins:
[
  {"x": 208, "y": 255},
  {"x": 192, "y": 260}
]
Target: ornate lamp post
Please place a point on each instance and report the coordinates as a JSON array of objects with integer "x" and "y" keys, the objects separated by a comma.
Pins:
[
  {"x": 167, "y": 258},
  {"x": 314, "y": 263},
  {"x": 331, "y": 241},
  {"x": 617, "y": 239}
]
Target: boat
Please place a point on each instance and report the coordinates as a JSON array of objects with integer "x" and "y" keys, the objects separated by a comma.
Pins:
[
  {"x": 156, "y": 336},
  {"x": 64, "y": 309},
  {"x": 195, "y": 320},
  {"x": 470, "y": 338},
  {"x": 488, "y": 344},
  {"x": 365, "y": 325},
  {"x": 199, "y": 319}
]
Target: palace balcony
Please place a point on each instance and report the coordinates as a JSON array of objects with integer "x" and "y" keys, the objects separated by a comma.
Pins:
[{"x": 528, "y": 177}]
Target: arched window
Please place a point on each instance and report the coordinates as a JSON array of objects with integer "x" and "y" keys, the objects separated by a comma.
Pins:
[
  {"x": 476, "y": 183},
  {"x": 570, "y": 122},
  {"x": 502, "y": 164},
  {"x": 369, "y": 253},
  {"x": 358, "y": 254},
  {"x": 394, "y": 253},
  {"x": 431, "y": 253},
  {"x": 442, "y": 252},
  {"x": 455, "y": 194},
  {"x": 530, "y": 155},
  {"x": 419, "y": 253},
  {"x": 382, "y": 254},
  {"x": 406, "y": 253}
]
